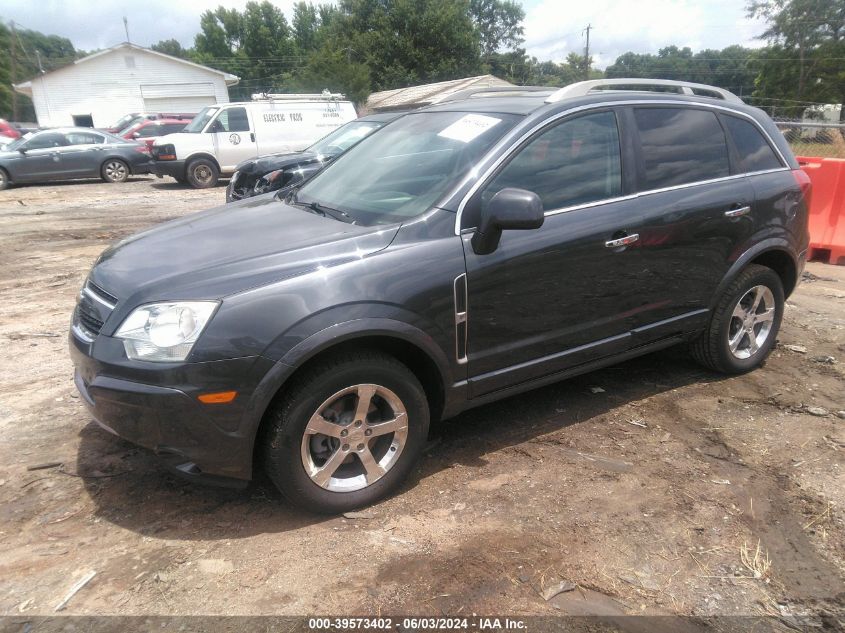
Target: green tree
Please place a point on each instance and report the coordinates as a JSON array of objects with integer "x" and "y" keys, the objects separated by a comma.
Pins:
[
  {"x": 499, "y": 24},
  {"x": 405, "y": 42},
  {"x": 306, "y": 26},
  {"x": 807, "y": 43},
  {"x": 171, "y": 47},
  {"x": 34, "y": 52}
]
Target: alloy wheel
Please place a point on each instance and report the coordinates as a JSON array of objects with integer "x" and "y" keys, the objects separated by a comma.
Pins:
[
  {"x": 116, "y": 171},
  {"x": 354, "y": 438},
  {"x": 751, "y": 322}
]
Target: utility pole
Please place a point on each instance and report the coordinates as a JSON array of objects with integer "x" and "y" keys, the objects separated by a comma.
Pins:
[
  {"x": 13, "y": 69},
  {"x": 587, "y": 53},
  {"x": 38, "y": 57},
  {"x": 126, "y": 28}
]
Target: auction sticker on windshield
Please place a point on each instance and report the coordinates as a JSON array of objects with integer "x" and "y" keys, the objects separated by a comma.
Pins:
[{"x": 469, "y": 127}]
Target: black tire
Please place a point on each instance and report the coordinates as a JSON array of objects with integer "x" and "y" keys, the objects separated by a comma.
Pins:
[
  {"x": 181, "y": 180},
  {"x": 285, "y": 428},
  {"x": 202, "y": 173},
  {"x": 4, "y": 180},
  {"x": 713, "y": 348},
  {"x": 114, "y": 170}
]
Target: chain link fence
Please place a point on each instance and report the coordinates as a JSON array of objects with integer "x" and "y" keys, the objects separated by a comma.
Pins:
[{"x": 814, "y": 138}]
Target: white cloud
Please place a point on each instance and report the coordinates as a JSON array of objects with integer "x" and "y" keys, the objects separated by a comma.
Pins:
[{"x": 554, "y": 28}]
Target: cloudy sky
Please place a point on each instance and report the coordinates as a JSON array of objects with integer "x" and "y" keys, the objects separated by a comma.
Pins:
[{"x": 553, "y": 28}]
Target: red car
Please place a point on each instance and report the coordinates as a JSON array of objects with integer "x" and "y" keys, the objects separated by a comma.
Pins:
[
  {"x": 133, "y": 118},
  {"x": 8, "y": 131},
  {"x": 147, "y": 131}
]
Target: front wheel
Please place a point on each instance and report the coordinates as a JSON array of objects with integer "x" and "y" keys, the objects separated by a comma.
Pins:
[
  {"x": 202, "y": 173},
  {"x": 4, "y": 180},
  {"x": 346, "y": 433},
  {"x": 745, "y": 323},
  {"x": 115, "y": 170}
]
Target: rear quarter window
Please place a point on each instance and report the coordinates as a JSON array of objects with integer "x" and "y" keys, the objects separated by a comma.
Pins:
[
  {"x": 680, "y": 146},
  {"x": 755, "y": 153}
]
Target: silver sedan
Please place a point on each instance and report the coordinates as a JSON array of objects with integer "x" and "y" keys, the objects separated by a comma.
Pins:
[{"x": 70, "y": 153}]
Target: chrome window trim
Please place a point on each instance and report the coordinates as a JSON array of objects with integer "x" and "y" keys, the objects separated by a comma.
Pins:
[{"x": 605, "y": 104}]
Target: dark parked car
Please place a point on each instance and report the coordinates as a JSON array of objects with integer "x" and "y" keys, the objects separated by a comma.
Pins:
[
  {"x": 468, "y": 251},
  {"x": 71, "y": 153},
  {"x": 280, "y": 172}
]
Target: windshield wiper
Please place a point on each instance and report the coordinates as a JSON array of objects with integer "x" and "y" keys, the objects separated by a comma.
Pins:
[
  {"x": 323, "y": 210},
  {"x": 320, "y": 209}
]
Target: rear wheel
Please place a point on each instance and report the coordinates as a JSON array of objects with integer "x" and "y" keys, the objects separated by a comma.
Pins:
[
  {"x": 4, "y": 180},
  {"x": 115, "y": 170},
  {"x": 347, "y": 433},
  {"x": 202, "y": 173},
  {"x": 745, "y": 323}
]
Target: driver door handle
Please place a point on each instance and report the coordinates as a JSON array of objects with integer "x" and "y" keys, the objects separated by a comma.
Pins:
[
  {"x": 735, "y": 213},
  {"x": 622, "y": 241}
]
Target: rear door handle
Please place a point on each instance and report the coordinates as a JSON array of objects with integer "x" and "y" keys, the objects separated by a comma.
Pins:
[
  {"x": 735, "y": 213},
  {"x": 622, "y": 241},
  {"x": 252, "y": 136}
]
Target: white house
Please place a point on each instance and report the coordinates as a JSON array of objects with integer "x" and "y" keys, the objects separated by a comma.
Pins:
[{"x": 97, "y": 90}]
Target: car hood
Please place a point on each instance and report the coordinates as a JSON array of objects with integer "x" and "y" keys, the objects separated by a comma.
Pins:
[
  {"x": 266, "y": 164},
  {"x": 231, "y": 249}
]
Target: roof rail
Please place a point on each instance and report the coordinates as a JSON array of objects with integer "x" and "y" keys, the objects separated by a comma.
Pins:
[
  {"x": 494, "y": 91},
  {"x": 315, "y": 96},
  {"x": 647, "y": 85}
]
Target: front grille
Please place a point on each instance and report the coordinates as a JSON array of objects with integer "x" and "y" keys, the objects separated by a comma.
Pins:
[
  {"x": 93, "y": 309},
  {"x": 87, "y": 320}
]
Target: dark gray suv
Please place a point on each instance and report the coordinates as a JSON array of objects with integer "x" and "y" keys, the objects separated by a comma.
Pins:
[{"x": 469, "y": 251}]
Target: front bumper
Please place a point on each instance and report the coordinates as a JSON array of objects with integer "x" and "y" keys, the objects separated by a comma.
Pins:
[
  {"x": 172, "y": 168},
  {"x": 155, "y": 406}
]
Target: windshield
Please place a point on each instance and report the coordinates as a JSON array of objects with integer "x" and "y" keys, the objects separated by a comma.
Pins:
[
  {"x": 343, "y": 138},
  {"x": 123, "y": 122},
  {"x": 401, "y": 171},
  {"x": 199, "y": 122},
  {"x": 127, "y": 129},
  {"x": 10, "y": 147}
]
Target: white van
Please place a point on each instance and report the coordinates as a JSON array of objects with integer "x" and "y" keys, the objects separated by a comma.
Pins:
[{"x": 221, "y": 136}]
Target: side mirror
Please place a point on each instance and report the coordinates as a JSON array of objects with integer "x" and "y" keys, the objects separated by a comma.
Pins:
[
  {"x": 509, "y": 209},
  {"x": 22, "y": 150}
]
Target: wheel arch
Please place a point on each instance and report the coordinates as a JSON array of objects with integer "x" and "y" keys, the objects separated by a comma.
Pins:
[
  {"x": 204, "y": 155},
  {"x": 776, "y": 254},
  {"x": 411, "y": 346}
]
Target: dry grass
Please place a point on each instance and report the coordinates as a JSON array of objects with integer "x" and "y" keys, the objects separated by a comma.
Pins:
[
  {"x": 833, "y": 148},
  {"x": 756, "y": 561}
]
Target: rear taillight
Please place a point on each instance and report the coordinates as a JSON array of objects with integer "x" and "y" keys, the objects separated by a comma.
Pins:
[{"x": 804, "y": 183}]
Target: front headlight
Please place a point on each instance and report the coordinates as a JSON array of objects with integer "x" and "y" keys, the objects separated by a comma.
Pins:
[
  {"x": 269, "y": 182},
  {"x": 165, "y": 332}
]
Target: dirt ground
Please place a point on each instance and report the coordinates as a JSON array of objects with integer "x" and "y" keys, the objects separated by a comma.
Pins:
[{"x": 654, "y": 486}]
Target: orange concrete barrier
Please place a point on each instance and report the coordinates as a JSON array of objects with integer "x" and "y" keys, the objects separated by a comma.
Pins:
[{"x": 827, "y": 208}]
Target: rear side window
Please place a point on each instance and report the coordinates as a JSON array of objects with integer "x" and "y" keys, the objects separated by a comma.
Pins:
[
  {"x": 575, "y": 162},
  {"x": 150, "y": 130},
  {"x": 754, "y": 151},
  {"x": 680, "y": 146},
  {"x": 84, "y": 138},
  {"x": 170, "y": 128}
]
